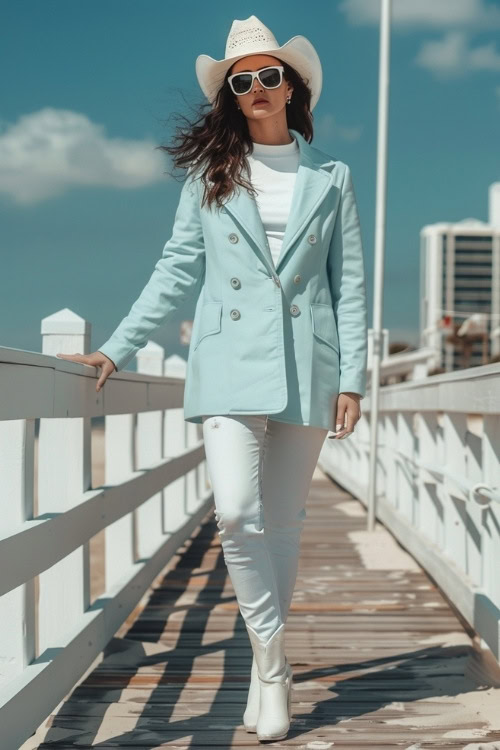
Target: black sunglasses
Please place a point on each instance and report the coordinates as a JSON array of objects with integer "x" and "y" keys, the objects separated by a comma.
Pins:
[{"x": 270, "y": 78}]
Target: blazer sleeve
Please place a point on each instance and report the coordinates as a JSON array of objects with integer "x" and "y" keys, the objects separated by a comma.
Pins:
[
  {"x": 177, "y": 275},
  {"x": 346, "y": 273}
]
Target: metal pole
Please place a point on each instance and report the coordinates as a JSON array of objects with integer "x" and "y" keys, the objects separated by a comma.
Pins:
[{"x": 380, "y": 214}]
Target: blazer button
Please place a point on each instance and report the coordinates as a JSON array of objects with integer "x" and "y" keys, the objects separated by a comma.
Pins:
[
  {"x": 233, "y": 237},
  {"x": 297, "y": 278},
  {"x": 294, "y": 309},
  {"x": 312, "y": 239},
  {"x": 235, "y": 314},
  {"x": 235, "y": 283}
]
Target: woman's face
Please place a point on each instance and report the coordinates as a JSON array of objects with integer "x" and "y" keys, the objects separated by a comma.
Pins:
[{"x": 275, "y": 99}]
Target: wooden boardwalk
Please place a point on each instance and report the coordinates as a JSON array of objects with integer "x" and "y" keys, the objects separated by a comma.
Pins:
[{"x": 380, "y": 660}]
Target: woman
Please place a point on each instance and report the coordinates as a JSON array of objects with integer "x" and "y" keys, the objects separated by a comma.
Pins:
[{"x": 279, "y": 339}]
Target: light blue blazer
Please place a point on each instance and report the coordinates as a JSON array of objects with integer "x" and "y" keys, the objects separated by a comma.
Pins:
[{"x": 284, "y": 340}]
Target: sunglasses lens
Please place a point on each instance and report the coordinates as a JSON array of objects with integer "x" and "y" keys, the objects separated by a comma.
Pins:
[
  {"x": 242, "y": 83},
  {"x": 270, "y": 78}
]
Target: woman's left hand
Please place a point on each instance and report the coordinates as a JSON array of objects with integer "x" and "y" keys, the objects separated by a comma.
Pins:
[{"x": 348, "y": 413}]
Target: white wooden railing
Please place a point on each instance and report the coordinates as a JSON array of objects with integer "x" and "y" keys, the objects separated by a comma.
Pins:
[
  {"x": 156, "y": 491},
  {"x": 438, "y": 482}
]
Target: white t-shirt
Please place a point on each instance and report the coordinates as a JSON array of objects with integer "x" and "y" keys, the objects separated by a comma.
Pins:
[{"x": 273, "y": 174}]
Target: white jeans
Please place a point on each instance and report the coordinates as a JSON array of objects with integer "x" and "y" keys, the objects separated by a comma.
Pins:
[{"x": 261, "y": 471}]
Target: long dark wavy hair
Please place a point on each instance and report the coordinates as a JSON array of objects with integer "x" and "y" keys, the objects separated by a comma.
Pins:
[{"x": 217, "y": 142}]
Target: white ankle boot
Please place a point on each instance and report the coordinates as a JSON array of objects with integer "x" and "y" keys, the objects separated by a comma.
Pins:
[
  {"x": 275, "y": 682},
  {"x": 251, "y": 713}
]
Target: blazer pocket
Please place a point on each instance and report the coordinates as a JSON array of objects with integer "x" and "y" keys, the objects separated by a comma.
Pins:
[
  {"x": 210, "y": 321},
  {"x": 323, "y": 324}
]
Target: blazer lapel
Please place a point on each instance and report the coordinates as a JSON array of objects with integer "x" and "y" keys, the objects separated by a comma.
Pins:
[{"x": 312, "y": 184}]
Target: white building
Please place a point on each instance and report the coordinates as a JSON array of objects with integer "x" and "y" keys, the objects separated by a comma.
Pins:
[{"x": 460, "y": 277}]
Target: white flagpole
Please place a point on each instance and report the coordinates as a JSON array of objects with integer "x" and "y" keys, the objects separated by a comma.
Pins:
[{"x": 380, "y": 215}]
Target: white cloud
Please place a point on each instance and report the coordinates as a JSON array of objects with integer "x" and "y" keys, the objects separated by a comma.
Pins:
[
  {"x": 452, "y": 56},
  {"x": 49, "y": 151},
  {"x": 426, "y": 14},
  {"x": 327, "y": 127}
]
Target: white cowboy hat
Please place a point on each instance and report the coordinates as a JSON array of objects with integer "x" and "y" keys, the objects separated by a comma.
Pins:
[{"x": 252, "y": 37}]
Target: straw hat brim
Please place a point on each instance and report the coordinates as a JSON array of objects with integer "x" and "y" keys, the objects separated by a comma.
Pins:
[{"x": 297, "y": 52}]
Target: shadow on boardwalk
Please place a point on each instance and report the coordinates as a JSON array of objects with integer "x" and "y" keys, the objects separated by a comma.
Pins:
[{"x": 379, "y": 657}]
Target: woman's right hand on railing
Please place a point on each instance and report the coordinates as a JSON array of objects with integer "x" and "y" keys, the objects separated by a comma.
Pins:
[{"x": 96, "y": 359}]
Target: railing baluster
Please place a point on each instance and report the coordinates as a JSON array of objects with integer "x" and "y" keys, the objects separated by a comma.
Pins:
[
  {"x": 474, "y": 513},
  {"x": 175, "y": 497},
  {"x": 389, "y": 482},
  {"x": 120, "y": 536},
  {"x": 429, "y": 502},
  {"x": 454, "y": 436},
  {"x": 406, "y": 484},
  {"x": 64, "y": 473},
  {"x": 149, "y": 449},
  {"x": 17, "y": 607}
]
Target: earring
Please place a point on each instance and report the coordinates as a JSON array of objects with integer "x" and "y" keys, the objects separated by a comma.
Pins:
[{"x": 289, "y": 100}]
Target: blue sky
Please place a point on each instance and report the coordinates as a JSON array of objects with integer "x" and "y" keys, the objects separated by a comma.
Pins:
[{"x": 85, "y": 206}]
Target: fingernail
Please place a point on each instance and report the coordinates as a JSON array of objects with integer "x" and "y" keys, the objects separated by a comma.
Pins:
[{"x": 338, "y": 426}]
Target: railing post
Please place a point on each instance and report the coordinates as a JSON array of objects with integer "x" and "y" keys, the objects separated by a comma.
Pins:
[
  {"x": 119, "y": 464},
  {"x": 149, "y": 450},
  {"x": 64, "y": 473},
  {"x": 175, "y": 496},
  {"x": 17, "y": 607}
]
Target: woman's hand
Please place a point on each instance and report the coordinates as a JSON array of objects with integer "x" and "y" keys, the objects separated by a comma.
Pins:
[
  {"x": 348, "y": 413},
  {"x": 96, "y": 359}
]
